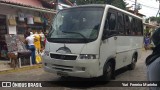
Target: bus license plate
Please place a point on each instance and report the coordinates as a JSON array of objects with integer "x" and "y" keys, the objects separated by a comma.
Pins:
[{"x": 62, "y": 73}]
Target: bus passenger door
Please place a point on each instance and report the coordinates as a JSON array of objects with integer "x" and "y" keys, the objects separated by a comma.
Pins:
[
  {"x": 122, "y": 44},
  {"x": 116, "y": 31},
  {"x": 109, "y": 39}
]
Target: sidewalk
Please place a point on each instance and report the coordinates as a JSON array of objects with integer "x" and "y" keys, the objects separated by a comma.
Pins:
[
  {"x": 25, "y": 65},
  {"x": 5, "y": 67}
]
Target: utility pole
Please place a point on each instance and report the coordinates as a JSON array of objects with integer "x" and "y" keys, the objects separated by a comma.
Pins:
[
  {"x": 159, "y": 8},
  {"x": 135, "y": 7}
]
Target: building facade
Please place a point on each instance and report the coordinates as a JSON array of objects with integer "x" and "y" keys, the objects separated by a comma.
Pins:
[{"x": 18, "y": 16}]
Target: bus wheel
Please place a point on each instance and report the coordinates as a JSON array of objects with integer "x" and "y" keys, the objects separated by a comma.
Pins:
[
  {"x": 64, "y": 77},
  {"x": 107, "y": 72},
  {"x": 133, "y": 63}
]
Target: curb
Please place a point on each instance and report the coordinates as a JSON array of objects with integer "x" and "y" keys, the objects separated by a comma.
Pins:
[{"x": 24, "y": 68}]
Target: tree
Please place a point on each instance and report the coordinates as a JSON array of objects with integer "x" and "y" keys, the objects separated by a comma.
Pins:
[
  {"x": 153, "y": 19},
  {"x": 118, "y": 3},
  {"x": 147, "y": 20}
]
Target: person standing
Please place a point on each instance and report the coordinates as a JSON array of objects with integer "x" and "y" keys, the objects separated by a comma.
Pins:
[
  {"x": 146, "y": 42},
  {"x": 37, "y": 42},
  {"x": 30, "y": 41},
  {"x": 153, "y": 60},
  {"x": 42, "y": 39}
]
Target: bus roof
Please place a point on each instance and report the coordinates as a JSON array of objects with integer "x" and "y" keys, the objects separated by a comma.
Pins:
[
  {"x": 108, "y": 6},
  {"x": 124, "y": 11}
]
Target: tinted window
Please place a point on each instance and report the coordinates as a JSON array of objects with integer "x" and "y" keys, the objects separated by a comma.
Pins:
[
  {"x": 140, "y": 27},
  {"x": 127, "y": 25},
  {"x": 120, "y": 24},
  {"x": 111, "y": 21},
  {"x": 133, "y": 27},
  {"x": 136, "y": 27}
]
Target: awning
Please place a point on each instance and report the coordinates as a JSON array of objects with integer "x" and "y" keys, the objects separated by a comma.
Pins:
[{"x": 29, "y": 7}]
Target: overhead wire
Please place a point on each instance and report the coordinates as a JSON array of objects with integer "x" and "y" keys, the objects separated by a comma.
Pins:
[{"x": 143, "y": 5}]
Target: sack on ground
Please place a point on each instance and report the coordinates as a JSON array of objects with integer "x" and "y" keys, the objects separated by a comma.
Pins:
[{"x": 38, "y": 58}]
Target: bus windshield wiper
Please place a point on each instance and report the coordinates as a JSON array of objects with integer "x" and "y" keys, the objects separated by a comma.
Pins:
[{"x": 77, "y": 33}]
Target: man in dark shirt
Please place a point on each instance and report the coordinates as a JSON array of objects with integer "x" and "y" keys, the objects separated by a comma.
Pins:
[{"x": 153, "y": 60}]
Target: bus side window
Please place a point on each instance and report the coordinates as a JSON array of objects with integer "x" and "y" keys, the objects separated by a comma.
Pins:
[
  {"x": 140, "y": 27},
  {"x": 133, "y": 27},
  {"x": 127, "y": 25},
  {"x": 136, "y": 26},
  {"x": 110, "y": 23},
  {"x": 120, "y": 24}
]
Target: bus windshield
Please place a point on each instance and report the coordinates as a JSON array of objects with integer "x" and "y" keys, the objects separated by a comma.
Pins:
[{"x": 76, "y": 25}]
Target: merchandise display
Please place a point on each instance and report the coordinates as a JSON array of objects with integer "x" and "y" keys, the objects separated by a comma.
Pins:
[
  {"x": 3, "y": 31},
  {"x": 23, "y": 22}
]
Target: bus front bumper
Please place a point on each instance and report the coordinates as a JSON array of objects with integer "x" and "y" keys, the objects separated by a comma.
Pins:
[{"x": 75, "y": 68}]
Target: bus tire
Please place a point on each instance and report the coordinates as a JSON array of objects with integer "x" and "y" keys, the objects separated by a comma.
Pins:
[
  {"x": 133, "y": 63},
  {"x": 64, "y": 77},
  {"x": 107, "y": 72}
]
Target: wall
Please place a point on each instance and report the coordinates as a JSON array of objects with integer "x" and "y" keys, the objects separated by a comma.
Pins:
[{"x": 12, "y": 11}]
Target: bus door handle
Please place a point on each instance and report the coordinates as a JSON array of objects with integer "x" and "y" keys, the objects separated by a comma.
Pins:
[{"x": 115, "y": 38}]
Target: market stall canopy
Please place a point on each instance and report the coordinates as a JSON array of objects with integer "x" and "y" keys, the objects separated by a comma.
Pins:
[{"x": 28, "y": 4}]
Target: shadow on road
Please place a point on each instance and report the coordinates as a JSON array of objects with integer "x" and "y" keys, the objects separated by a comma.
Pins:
[
  {"x": 77, "y": 83},
  {"x": 122, "y": 70}
]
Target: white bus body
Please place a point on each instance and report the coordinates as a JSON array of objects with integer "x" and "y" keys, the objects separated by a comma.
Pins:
[{"x": 72, "y": 50}]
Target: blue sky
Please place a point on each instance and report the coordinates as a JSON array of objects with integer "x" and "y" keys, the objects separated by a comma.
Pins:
[{"x": 149, "y": 7}]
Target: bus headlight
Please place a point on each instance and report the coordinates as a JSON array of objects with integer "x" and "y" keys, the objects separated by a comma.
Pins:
[{"x": 88, "y": 56}]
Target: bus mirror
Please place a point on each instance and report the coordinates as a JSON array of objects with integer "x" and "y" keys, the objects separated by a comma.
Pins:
[{"x": 104, "y": 36}]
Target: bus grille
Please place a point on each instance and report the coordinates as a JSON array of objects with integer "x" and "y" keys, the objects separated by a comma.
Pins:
[
  {"x": 63, "y": 57},
  {"x": 62, "y": 67}
]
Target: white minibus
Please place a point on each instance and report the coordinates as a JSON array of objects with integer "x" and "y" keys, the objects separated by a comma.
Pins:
[{"x": 93, "y": 41}]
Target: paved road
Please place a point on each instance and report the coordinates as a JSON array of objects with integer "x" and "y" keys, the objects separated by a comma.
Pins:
[{"x": 139, "y": 74}]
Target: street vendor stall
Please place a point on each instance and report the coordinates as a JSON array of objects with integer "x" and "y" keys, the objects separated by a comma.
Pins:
[{"x": 17, "y": 50}]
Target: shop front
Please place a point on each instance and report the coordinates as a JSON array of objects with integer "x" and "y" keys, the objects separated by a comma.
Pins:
[
  {"x": 3, "y": 31},
  {"x": 17, "y": 19}
]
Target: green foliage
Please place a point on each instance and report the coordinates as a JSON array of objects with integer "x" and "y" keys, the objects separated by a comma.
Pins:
[
  {"x": 82, "y": 2},
  {"x": 154, "y": 19},
  {"x": 147, "y": 20},
  {"x": 146, "y": 31},
  {"x": 118, "y": 3},
  {"x": 158, "y": 19}
]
